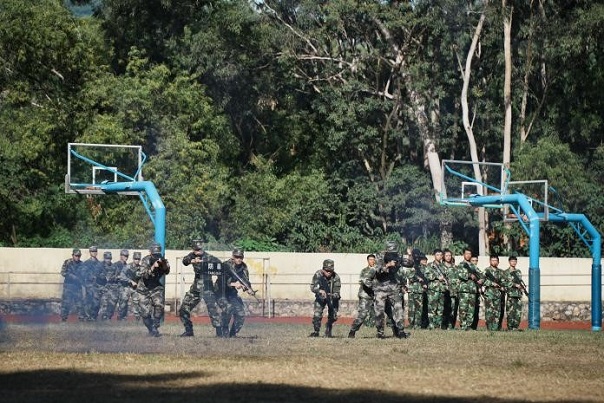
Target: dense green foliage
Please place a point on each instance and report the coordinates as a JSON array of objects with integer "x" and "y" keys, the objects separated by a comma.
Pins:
[{"x": 297, "y": 125}]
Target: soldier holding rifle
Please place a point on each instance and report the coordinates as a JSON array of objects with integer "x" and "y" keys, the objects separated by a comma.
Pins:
[
  {"x": 151, "y": 290},
  {"x": 470, "y": 284},
  {"x": 494, "y": 295},
  {"x": 326, "y": 286},
  {"x": 438, "y": 284},
  {"x": 512, "y": 279},
  {"x": 72, "y": 286}
]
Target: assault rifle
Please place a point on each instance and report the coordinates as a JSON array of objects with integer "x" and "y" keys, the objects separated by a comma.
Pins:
[
  {"x": 518, "y": 280},
  {"x": 441, "y": 273},
  {"x": 489, "y": 275},
  {"x": 324, "y": 285},
  {"x": 247, "y": 287}
]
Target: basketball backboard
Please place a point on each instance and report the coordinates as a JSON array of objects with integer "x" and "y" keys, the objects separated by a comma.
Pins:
[
  {"x": 462, "y": 180},
  {"x": 89, "y": 165},
  {"x": 536, "y": 191}
]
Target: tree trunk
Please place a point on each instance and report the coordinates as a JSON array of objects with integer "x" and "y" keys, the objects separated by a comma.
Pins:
[{"x": 469, "y": 132}]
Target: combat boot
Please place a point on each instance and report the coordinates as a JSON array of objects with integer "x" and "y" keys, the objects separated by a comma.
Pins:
[
  {"x": 188, "y": 332},
  {"x": 380, "y": 333},
  {"x": 233, "y": 332},
  {"x": 219, "y": 332},
  {"x": 351, "y": 334},
  {"x": 328, "y": 330},
  {"x": 314, "y": 334}
]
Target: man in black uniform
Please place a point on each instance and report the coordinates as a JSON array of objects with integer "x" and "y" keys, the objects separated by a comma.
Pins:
[{"x": 204, "y": 265}]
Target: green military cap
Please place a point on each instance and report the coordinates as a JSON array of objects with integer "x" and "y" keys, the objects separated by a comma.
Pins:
[
  {"x": 237, "y": 252},
  {"x": 93, "y": 249},
  {"x": 76, "y": 252},
  {"x": 328, "y": 265},
  {"x": 136, "y": 255},
  {"x": 107, "y": 255},
  {"x": 124, "y": 252}
]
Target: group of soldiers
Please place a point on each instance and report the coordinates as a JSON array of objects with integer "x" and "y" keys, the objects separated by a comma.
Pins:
[
  {"x": 440, "y": 294},
  {"x": 97, "y": 289}
]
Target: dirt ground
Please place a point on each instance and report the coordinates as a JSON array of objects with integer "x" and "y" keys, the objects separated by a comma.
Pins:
[{"x": 171, "y": 318}]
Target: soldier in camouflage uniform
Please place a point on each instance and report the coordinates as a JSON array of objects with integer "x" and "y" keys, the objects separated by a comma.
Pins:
[
  {"x": 236, "y": 277},
  {"x": 112, "y": 287},
  {"x": 512, "y": 281},
  {"x": 151, "y": 290},
  {"x": 202, "y": 287},
  {"x": 94, "y": 281},
  {"x": 437, "y": 285},
  {"x": 72, "y": 296},
  {"x": 326, "y": 286},
  {"x": 417, "y": 286},
  {"x": 470, "y": 283},
  {"x": 388, "y": 281},
  {"x": 365, "y": 307},
  {"x": 494, "y": 294},
  {"x": 451, "y": 295},
  {"x": 129, "y": 282}
]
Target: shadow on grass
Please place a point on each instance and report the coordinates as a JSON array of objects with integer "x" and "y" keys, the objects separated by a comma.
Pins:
[{"x": 74, "y": 386}]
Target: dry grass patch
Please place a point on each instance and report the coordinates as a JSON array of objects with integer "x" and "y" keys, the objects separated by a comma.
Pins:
[{"x": 276, "y": 362}]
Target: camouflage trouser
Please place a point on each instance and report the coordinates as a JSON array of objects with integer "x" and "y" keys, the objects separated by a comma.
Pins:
[
  {"x": 364, "y": 310},
  {"x": 467, "y": 308},
  {"x": 395, "y": 313},
  {"x": 232, "y": 306},
  {"x": 319, "y": 307},
  {"x": 109, "y": 300},
  {"x": 493, "y": 309},
  {"x": 416, "y": 300},
  {"x": 134, "y": 296},
  {"x": 513, "y": 307},
  {"x": 92, "y": 302},
  {"x": 152, "y": 307},
  {"x": 72, "y": 298},
  {"x": 190, "y": 301},
  {"x": 436, "y": 306}
]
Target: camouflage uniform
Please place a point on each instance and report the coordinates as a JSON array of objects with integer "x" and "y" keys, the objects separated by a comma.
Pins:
[
  {"x": 416, "y": 289},
  {"x": 366, "y": 296},
  {"x": 94, "y": 281},
  {"x": 72, "y": 286},
  {"x": 202, "y": 287},
  {"x": 512, "y": 281},
  {"x": 111, "y": 289},
  {"x": 387, "y": 282},
  {"x": 468, "y": 293},
  {"x": 452, "y": 294},
  {"x": 151, "y": 289},
  {"x": 326, "y": 288},
  {"x": 437, "y": 286},
  {"x": 129, "y": 283},
  {"x": 230, "y": 302},
  {"x": 493, "y": 296}
]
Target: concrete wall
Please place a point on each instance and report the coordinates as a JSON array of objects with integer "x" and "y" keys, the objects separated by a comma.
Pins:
[{"x": 35, "y": 273}]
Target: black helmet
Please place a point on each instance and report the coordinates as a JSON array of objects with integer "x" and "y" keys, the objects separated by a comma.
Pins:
[
  {"x": 237, "y": 252},
  {"x": 107, "y": 255},
  {"x": 155, "y": 249},
  {"x": 328, "y": 265},
  {"x": 197, "y": 244}
]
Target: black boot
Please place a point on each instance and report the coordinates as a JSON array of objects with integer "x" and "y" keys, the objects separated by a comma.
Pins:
[
  {"x": 219, "y": 332},
  {"x": 380, "y": 333},
  {"x": 351, "y": 334},
  {"x": 328, "y": 328},
  {"x": 188, "y": 332},
  {"x": 314, "y": 334}
]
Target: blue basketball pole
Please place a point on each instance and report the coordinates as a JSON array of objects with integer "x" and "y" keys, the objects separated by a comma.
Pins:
[
  {"x": 595, "y": 247},
  {"x": 517, "y": 199},
  {"x": 158, "y": 215}
]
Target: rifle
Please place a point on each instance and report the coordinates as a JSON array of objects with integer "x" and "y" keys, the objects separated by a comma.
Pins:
[
  {"x": 421, "y": 277},
  {"x": 491, "y": 277},
  {"x": 442, "y": 274},
  {"x": 472, "y": 271},
  {"x": 247, "y": 287},
  {"x": 324, "y": 285},
  {"x": 518, "y": 280}
]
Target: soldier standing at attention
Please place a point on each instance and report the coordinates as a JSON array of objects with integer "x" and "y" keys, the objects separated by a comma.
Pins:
[
  {"x": 151, "y": 290},
  {"x": 470, "y": 279},
  {"x": 129, "y": 282},
  {"x": 72, "y": 286},
  {"x": 236, "y": 277},
  {"x": 112, "y": 288},
  {"x": 512, "y": 281},
  {"x": 494, "y": 294},
  {"x": 326, "y": 286},
  {"x": 437, "y": 285},
  {"x": 94, "y": 280},
  {"x": 417, "y": 285},
  {"x": 202, "y": 287},
  {"x": 366, "y": 295},
  {"x": 451, "y": 295}
]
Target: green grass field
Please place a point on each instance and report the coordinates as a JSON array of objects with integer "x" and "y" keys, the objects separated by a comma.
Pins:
[{"x": 117, "y": 362}]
